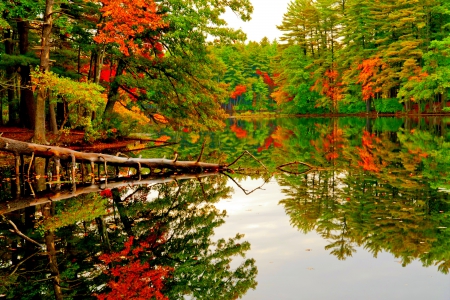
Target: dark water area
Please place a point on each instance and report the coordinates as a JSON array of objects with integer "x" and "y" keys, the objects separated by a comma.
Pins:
[{"x": 359, "y": 210}]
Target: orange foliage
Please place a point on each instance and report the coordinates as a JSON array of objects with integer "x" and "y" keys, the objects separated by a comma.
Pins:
[
  {"x": 238, "y": 90},
  {"x": 125, "y": 21},
  {"x": 368, "y": 70},
  {"x": 161, "y": 140},
  {"x": 281, "y": 96},
  {"x": 160, "y": 118},
  {"x": 278, "y": 136},
  {"x": 329, "y": 86},
  {"x": 367, "y": 161},
  {"x": 240, "y": 132},
  {"x": 330, "y": 144},
  {"x": 419, "y": 75}
]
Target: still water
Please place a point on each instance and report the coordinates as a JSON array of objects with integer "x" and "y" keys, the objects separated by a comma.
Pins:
[{"x": 363, "y": 214}]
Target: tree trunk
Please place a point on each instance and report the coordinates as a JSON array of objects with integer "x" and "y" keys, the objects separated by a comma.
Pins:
[
  {"x": 27, "y": 108},
  {"x": 127, "y": 222},
  {"x": 113, "y": 94},
  {"x": 39, "y": 128},
  {"x": 52, "y": 111},
  {"x": 10, "y": 70},
  {"x": 49, "y": 237}
]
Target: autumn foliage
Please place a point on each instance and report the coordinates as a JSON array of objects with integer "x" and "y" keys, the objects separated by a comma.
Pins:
[
  {"x": 238, "y": 91},
  {"x": 330, "y": 144},
  {"x": 267, "y": 79},
  {"x": 132, "y": 278},
  {"x": 366, "y": 155},
  {"x": 368, "y": 70},
  {"x": 240, "y": 132},
  {"x": 278, "y": 136},
  {"x": 329, "y": 86},
  {"x": 125, "y": 23}
]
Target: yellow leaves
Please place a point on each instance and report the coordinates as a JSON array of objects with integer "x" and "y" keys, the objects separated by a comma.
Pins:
[
  {"x": 133, "y": 114},
  {"x": 160, "y": 118}
]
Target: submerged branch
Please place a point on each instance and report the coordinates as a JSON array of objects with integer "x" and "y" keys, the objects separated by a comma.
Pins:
[{"x": 19, "y": 233}]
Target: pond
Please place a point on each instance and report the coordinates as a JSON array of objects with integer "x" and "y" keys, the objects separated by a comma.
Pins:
[{"x": 359, "y": 209}]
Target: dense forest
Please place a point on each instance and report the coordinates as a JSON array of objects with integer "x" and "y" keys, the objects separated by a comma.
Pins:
[
  {"x": 108, "y": 66},
  {"x": 346, "y": 57}
]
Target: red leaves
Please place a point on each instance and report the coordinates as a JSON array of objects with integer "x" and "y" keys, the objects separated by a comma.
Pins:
[
  {"x": 240, "y": 132},
  {"x": 125, "y": 21},
  {"x": 106, "y": 193},
  {"x": 238, "y": 90},
  {"x": 368, "y": 70},
  {"x": 267, "y": 79},
  {"x": 133, "y": 279}
]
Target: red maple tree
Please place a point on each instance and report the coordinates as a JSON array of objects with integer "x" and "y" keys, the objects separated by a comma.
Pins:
[{"x": 132, "y": 278}]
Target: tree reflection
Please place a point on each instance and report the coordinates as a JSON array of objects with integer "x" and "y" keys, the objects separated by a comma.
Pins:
[
  {"x": 392, "y": 198},
  {"x": 170, "y": 226}
]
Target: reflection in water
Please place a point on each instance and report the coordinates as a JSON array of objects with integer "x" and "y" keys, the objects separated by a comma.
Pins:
[
  {"x": 383, "y": 191},
  {"x": 136, "y": 241},
  {"x": 377, "y": 184}
]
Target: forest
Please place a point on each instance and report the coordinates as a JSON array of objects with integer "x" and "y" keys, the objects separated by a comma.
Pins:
[
  {"x": 109, "y": 67},
  {"x": 171, "y": 79}
]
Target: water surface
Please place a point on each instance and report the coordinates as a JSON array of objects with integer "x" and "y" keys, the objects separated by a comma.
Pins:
[{"x": 370, "y": 220}]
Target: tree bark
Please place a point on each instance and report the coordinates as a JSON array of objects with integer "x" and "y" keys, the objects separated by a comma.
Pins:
[
  {"x": 27, "y": 109},
  {"x": 39, "y": 128},
  {"x": 10, "y": 70}
]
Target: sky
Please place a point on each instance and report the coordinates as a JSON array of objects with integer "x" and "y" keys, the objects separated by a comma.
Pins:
[{"x": 267, "y": 14}]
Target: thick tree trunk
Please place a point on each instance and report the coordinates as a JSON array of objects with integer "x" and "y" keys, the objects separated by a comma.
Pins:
[
  {"x": 39, "y": 128},
  {"x": 27, "y": 109}
]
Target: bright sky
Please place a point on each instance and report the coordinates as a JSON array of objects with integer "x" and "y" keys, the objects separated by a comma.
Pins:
[{"x": 267, "y": 14}]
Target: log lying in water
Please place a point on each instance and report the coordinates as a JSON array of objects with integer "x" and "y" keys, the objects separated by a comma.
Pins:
[
  {"x": 48, "y": 197},
  {"x": 36, "y": 150}
]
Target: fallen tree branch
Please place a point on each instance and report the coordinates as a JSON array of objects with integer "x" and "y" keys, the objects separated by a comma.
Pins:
[
  {"x": 19, "y": 233},
  {"x": 310, "y": 168},
  {"x": 251, "y": 155}
]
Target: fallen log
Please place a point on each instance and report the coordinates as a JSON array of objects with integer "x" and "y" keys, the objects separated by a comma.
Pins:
[
  {"x": 36, "y": 150},
  {"x": 48, "y": 197}
]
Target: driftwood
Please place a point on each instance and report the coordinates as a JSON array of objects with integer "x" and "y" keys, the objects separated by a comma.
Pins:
[{"x": 35, "y": 150}]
